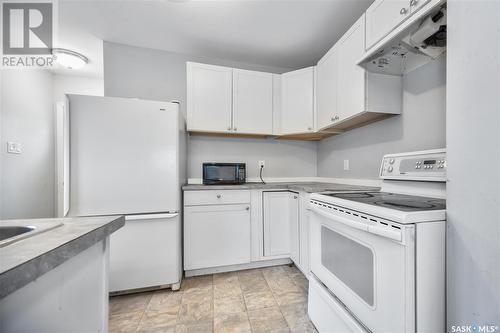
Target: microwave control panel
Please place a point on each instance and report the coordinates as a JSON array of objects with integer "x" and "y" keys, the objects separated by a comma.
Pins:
[{"x": 424, "y": 165}]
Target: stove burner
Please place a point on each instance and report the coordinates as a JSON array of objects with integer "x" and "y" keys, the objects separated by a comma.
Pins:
[
  {"x": 405, "y": 204},
  {"x": 354, "y": 195},
  {"x": 389, "y": 200}
]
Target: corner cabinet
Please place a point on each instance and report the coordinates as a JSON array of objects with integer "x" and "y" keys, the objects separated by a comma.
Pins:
[
  {"x": 277, "y": 236},
  {"x": 229, "y": 101},
  {"x": 326, "y": 88},
  {"x": 209, "y": 98},
  {"x": 252, "y": 102},
  {"x": 348, "y": 96},
  {"x": 297, "y": 101}
]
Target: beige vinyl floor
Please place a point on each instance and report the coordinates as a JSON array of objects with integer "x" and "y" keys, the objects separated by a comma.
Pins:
[{"x": 272, "y": 299}]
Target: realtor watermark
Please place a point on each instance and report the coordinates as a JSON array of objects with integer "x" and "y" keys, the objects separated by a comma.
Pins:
[
  {"x": 474, "y": 328},
  {"x": 27, "y": 34}
]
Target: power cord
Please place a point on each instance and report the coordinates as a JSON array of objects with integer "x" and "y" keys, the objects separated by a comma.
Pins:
[{"x": 262, "y": 180}]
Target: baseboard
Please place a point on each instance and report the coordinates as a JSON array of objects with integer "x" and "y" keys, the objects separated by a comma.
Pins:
[
  {"x": 240, "y": 267},
  {"x": 145, "y": 289}
]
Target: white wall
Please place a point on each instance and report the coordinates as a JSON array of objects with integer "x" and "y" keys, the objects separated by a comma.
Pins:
[
  {"x": 420, "y": 126},
  {"x": 283, "y": 158},
  {"x": 65, "y": 84},
  {"x": 473, "y": 142},
  {"x": 27, "y": 118},
  {"x": 28, "y": 98},
  {"x": 159, "y": 75}
]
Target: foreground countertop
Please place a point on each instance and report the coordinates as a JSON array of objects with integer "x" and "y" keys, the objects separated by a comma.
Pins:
[
  {"x": 27, "y": 259},
  {"x": 310, "y": 187}
]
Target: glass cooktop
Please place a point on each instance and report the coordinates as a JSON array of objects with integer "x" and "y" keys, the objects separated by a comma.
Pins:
[{"x": 407, "y": 203}]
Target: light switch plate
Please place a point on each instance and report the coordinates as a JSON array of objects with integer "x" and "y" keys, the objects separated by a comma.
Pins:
[
  {"x": 14, "y": 147},
  {"x": 346, "y": 165}
]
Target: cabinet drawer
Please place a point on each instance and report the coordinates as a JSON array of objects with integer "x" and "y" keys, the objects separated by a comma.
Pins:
[{"x": 214, "y": 197}]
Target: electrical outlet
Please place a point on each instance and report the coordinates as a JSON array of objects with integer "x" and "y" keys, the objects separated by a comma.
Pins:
[
  {"x": 262, "y": 164},
  {"x": 14, "y": 148},
  {"x": 346, "y": 165}
]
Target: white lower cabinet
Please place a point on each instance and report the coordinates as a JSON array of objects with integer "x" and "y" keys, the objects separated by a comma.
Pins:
[
  {"x": 277, "y": 236},
  {"x": 227, "y": 228},
  {"x": 294, "y": 227},
  {"x": 216, "y": 235},
  {"x": 303, "y": 262}
]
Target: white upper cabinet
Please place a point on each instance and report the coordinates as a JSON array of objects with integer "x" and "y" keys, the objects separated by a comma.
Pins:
[
  {"x": 348, "y": 96},
  {"x": 209, "y": 98},
  {"x": 417, "y": 4},
  {"x": 252, "y": 102},
  {"x": 297, "y": 101},
  {"x": 326, "y": 88},
  {"x": 383, "y": 16},
  {"x": 351, "y": 88}
]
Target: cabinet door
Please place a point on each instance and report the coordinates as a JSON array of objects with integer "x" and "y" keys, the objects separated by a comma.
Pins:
[
  {"x": 382, "y": 17},
  {"x": 216, "y": 235},
  {"x": 326, "y": 88},
  {"x": 417, "y": 4},
  {"x": 297, "y": 101},
  {"x": 209, "y": 98},
  {"x": 252, "y": 102},
  {"x": 304, "y": 232},
  {"x": 351, "y": 88},
  {"x": 294, "y": 228},
  {"x": 276, "y": 224}
]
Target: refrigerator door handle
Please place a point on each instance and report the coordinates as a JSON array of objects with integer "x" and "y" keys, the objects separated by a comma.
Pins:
[{"x": 151, "y": 216}]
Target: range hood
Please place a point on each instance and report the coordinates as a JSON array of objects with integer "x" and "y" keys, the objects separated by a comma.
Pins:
[{"x": 413, "y": 44}]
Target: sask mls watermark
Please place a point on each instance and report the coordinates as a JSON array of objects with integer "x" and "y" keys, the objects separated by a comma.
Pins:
[{"x": 27, "y": 34}]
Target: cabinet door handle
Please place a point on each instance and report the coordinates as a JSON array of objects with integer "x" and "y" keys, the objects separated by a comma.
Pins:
[
  {"x": 403, "y": 11},
  {"x": 247, "y": 208},
  {"x": 309, "y": 128},
  {"x": 219, "y": 196},
  {"x": 229, "y": 128},
  {"x": 235, "y": 129},
  {"x": 295, "y": 197}
]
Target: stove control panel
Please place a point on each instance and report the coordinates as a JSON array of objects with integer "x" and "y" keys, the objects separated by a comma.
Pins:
[{"x": 429, "y": 165}]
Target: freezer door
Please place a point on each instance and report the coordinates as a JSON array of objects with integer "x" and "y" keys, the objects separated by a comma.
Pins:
[
  {"x": 146, "y": 252},
  {"x": 124, "y": 156}
]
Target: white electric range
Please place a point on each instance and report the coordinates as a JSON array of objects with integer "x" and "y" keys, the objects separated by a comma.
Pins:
[{"x": 378, "y": 258}]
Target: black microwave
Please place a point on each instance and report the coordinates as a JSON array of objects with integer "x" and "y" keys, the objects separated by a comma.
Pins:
[{"x": 224, "y": 173}]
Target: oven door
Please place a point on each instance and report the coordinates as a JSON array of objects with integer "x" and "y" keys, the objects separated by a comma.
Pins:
[{"x": 367, "y": 265}]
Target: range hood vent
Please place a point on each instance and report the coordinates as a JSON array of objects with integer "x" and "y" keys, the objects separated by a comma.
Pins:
[{"x": 415, "y": 45}]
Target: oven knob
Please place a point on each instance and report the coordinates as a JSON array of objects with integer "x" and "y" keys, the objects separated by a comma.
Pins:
[
  {"x": 390, "y": 169},
  {"x": 391, "y": 161}
]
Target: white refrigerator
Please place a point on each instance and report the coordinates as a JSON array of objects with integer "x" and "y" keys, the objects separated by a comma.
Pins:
[{"x": 120, "y": 156}]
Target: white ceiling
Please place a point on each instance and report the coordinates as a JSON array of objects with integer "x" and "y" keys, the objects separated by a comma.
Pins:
[{"x": 291, "y": 34}]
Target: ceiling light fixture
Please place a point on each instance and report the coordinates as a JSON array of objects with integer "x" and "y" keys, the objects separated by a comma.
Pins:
[{"x": 70, "y": 59}]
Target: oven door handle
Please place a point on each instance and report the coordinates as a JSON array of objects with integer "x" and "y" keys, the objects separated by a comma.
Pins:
[
  {"x": 387, "y": 232},
  {"x": 343, "y": 220}
]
